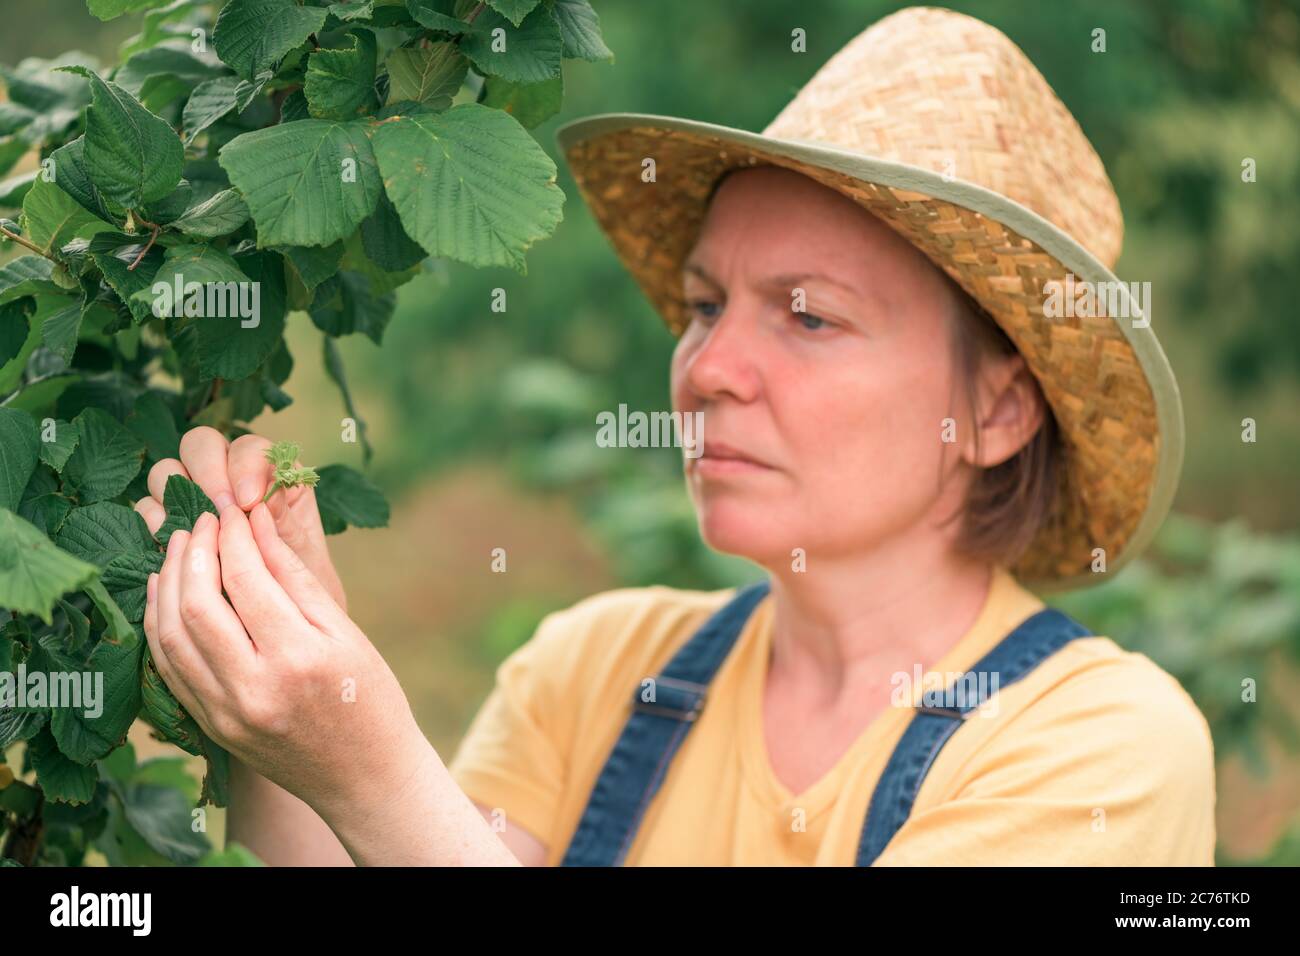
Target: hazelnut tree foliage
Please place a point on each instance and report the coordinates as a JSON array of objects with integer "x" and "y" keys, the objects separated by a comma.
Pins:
[{"x": 318, "y": 153}]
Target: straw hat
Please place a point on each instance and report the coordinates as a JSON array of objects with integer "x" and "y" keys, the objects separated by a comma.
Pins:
[{"x": 940, "y": 126}]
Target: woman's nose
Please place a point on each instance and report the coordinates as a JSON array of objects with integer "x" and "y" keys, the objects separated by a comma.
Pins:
[{"x": 723, "y": 359}]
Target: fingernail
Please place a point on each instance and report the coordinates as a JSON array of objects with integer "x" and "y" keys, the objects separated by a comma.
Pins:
[
  {"x": 246, "y": 492},
  {"x": 223, "y": 501},
  {"x": 151, "y": 587}
]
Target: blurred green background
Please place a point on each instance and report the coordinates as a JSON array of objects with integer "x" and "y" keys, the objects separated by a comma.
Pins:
[{"x": 483, "y": 421}]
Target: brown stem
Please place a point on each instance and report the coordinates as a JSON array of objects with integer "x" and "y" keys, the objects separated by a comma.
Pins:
[
  {"x": 25, "y": 242},
  {"x": 475, "y": 12},
  {"x": 148, "y": 245}
]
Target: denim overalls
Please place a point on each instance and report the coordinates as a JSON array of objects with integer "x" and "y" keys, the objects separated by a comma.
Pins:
[{"x": 640, "y": 758}]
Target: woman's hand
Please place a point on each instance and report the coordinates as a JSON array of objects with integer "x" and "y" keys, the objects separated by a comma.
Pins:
[
  {"x": 279, "y": 675},
  {"x": 238, "y": 472}
]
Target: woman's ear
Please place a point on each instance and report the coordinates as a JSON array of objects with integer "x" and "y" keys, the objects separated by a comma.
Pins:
[{"x": 1012, "y": 407}]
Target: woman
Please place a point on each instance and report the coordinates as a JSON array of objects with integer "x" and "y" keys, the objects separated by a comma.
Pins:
[{"x": 893, "y": 447}]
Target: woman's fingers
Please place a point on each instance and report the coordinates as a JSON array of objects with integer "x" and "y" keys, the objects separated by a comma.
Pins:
[
  {"x": 204, "y": 454},
  {"x": 269, "y": 615},
  {"x": 250, "y": 472},
  {"x": 210, "y": 621},
  {"x": 153, "y": 513},
  {"x": 159, "y": 474},
  {"x": 295, "y": 577},
  {"x": 175, "y": 648}
]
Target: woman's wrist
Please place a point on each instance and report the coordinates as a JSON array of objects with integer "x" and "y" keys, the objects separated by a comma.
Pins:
[{"x": 414, "y": 816}]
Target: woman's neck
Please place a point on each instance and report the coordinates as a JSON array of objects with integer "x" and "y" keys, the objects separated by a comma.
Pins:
[{"x": 845, "y": 623}]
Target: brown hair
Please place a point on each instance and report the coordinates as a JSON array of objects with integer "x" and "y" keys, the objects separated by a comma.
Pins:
[{"x": 1007, "y": 504}]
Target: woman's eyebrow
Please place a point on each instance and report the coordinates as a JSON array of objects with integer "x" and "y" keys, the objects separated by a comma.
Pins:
[
  {"x": 796, "y": 279},
  {"x": 692, "y": 268},
  {"x": 784, "y": 282}
]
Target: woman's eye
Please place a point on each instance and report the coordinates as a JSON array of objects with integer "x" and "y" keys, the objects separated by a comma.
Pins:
[
  {"x": 704, "y": 308},
  {"x": 811, "y": 322}
]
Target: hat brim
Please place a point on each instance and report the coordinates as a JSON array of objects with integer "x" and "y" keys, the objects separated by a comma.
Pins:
[{"x": 1107, "y": 379}]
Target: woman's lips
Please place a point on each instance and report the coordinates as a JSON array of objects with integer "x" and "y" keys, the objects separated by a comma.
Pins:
[{"x": 720, "y": 460}]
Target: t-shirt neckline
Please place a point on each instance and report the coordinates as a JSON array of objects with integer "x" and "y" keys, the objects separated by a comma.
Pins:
[{"x": 883, "y": 730}]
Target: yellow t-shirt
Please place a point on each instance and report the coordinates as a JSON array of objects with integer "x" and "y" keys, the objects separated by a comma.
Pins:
[{"x": 1097, "y": 757}]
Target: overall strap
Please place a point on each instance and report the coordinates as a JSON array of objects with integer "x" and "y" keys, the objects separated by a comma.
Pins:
[
  {"x": 1027, "y": 646},
  {"x": 655, "y": 729}
]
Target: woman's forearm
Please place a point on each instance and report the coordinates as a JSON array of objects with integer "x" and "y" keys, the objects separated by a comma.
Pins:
[
  {"x": 278, "y": 827},
  {"x": 418, "y": 817}
]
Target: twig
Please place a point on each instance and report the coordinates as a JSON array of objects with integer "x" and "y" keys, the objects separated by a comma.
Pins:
[
  {"x": 25, "y": 242},
  {"x": 148, "y": 245}
]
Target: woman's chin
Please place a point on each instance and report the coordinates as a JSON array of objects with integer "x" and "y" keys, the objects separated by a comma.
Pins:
[{"x": 742, "y": 529}]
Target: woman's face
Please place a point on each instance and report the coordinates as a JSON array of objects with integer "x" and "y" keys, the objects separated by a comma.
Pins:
[{"x": 822, "y": 428}]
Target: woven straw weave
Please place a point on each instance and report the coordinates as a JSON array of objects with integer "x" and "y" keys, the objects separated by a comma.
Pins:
[{"x": 950, "y": 94}]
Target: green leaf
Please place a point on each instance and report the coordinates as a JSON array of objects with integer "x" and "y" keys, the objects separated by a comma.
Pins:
[
  {"x": 15, "y": 327},
  {"x": 42, "y": 503},
  {"x": 218, "y": 215},
  {"x": 580, "y": 29},
  {"x": 16, "y": 725},
  {"x": 469, "y": 184},
  {"x": 61, "y": 780},
  {"x": 386, "y": 242},
  {"x": 56, "y": 100},
  {"x": 346, "y": 497},
  {"x": 71, "y": 176},
  {"x": 171, "y": 206},
  {"x": 348, "y": 12},
  {"x": 307, "y": 183},
  {"x": 190, "y": 274},
  {"x": 345, "y": 304},
  {"x": 52, "y": 218},
  {"x": 530, "y": 103},
  {"x": 56, "y": 450},
  {"x": 162, "y": 711},
  {"x": 33, "y": 572},
  {"x": 114, "y": 254},
  {"x": 313, "y": 264},
  {"x": 19, "y": 451},
  {"x": 133, "y": 156},
  {"x": 232, "y": 347},
  {"x": 154, "y": 424},
  {"x": 340, "y": 84},
  {"x": 157, "y": 25},
  {"x": 334, "y": 368},
  {"x": 116, "y": 540},
  {"x": 184, "y": 501},
  {"x": 80, "y": 626},
  {"x": 513, "y": 10},
  {"x": 25, "y": 276},
  {"x": 251, "y": 35},
  {"x": 213, "y": 99},
  {"x": 430, "y": 76},
  {"x": 293, "y": 108},
  {"x": 528, "y": 53},
  {"x": 438, "y": 15},
  {"x": 85, "y": 738},
  {"x": 13, "y": 189},
  {"x": 177, "y": 62},
  {"x": 106, "y": 458},
  {"x": 109, "y": 9},
  {"x": 60, "y": 321},
  {"x": 162, "y": 817}
]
